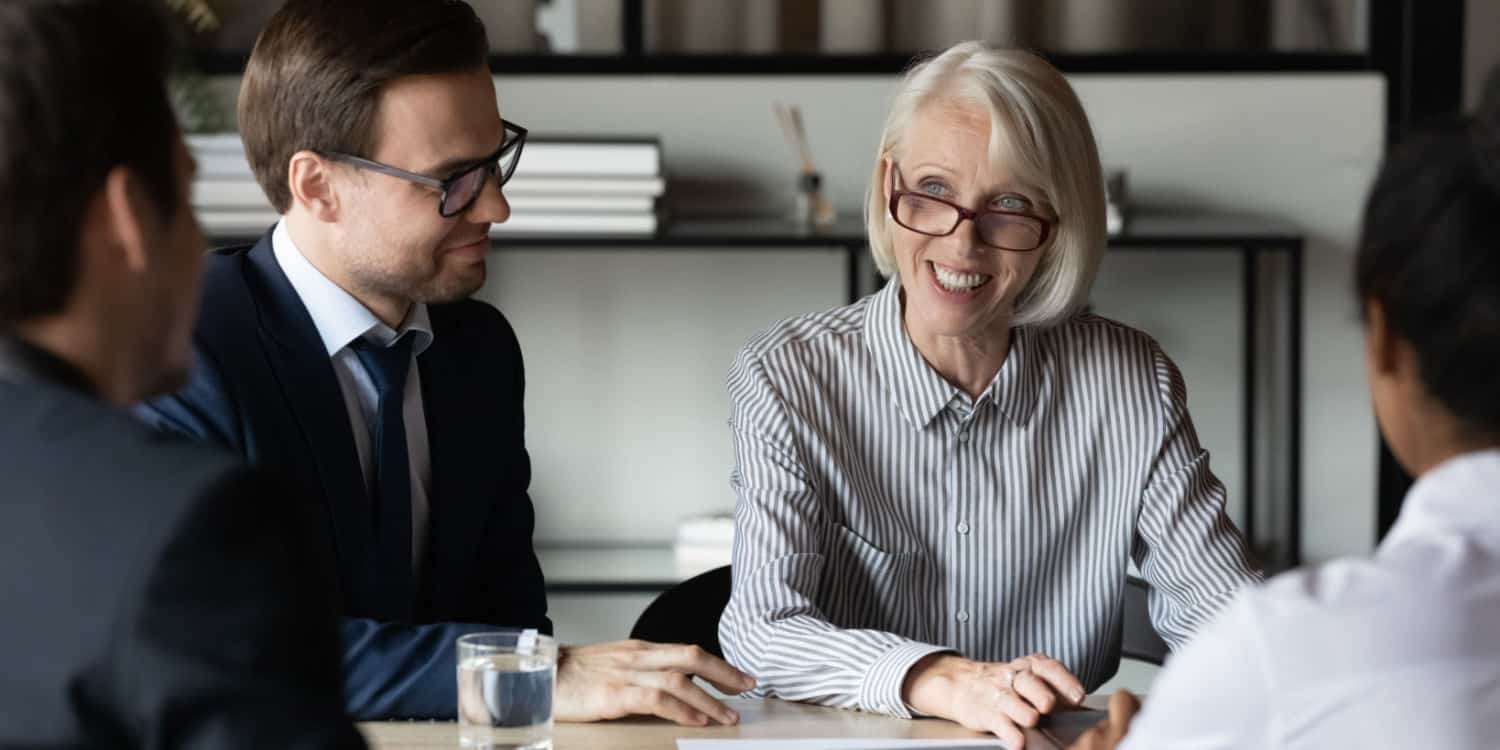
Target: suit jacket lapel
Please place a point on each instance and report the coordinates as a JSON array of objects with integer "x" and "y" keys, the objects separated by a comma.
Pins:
[
  {"x": 459, "y": 508},
  {"x": 303, "y": 370}
]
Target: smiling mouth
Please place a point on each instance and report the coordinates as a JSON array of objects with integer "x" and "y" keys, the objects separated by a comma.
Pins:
[
  {"x": 953, "y": 280},
  {"x": 467, "y": 245}
]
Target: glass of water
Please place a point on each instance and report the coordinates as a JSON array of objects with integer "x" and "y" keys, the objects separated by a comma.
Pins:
[{"x": 505, "y": 683}]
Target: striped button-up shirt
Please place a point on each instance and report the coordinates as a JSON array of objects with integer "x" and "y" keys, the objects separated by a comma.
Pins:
[{"x": 884, "y": 515}]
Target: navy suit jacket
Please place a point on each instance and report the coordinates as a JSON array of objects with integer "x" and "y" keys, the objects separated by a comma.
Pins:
[
  {"x": 157, "y": 593},
  {"x": 264, "y": 386}
]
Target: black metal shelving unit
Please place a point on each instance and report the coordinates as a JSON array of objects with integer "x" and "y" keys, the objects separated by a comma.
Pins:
[
  {"x": 1416, "y": 46},
  {"x": 1251, "y": 238}
]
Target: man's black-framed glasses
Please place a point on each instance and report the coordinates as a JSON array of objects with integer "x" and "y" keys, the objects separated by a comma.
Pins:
[
  {"x": 459, "y": 190},
  {"x": 1018, "y": 231}
]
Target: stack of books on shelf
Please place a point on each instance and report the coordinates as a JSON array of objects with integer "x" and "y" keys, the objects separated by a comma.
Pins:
[
  {"x": 226, "y": 197},
  {"x": 585, "y": 186},
  {"x": 561, "y": 186}
]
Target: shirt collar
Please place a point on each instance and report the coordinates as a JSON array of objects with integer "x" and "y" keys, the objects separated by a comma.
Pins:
[
  {"x": 338, "y": 316},
  {"x": 919, "y": 391},
  {"x": 1457, "y": 495}
]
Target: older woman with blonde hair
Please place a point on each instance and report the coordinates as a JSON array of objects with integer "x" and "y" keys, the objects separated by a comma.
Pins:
[{"x": 942, "y": 485}]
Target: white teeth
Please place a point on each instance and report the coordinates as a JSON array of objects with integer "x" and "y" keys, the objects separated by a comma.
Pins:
[{"x": 958, "y": 282}]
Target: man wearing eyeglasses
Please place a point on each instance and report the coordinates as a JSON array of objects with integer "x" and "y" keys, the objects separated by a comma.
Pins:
[{"x": 343, "y": 351}]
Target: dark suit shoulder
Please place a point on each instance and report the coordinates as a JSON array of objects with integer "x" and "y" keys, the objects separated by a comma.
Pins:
[
  {"x": 96, "y": 455},
  {"x": 477, "y": 323},
  {"x": 224, "y": 269},
  {"x": 471, "y": 313},
  {"x": 226, "y": 288}
]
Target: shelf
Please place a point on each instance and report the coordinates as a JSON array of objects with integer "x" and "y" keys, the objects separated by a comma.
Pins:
[
  {"x": 1164, "y": 231},
  {"x": 1144, "y": 231},
  {"x": 605, "y": 569},
  {"x": 652, "y": 568}
]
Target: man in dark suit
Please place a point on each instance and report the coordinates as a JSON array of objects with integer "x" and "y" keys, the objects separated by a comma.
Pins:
[
  {"x": 342, "y": 349},
  {"x": 157, "y": 594}
]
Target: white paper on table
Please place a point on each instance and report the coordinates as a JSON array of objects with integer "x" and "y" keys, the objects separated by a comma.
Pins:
[{"x": 867, "y": 743}]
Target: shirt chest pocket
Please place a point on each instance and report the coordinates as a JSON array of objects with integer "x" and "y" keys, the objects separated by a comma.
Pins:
[{"x": 865, "y": 586}]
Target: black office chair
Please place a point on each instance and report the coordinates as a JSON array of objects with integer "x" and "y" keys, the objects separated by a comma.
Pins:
[
  {"x": 1138, "y": 639},
  {"x": 688, "y": 612}
]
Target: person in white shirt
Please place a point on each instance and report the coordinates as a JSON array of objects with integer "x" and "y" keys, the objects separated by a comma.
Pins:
[{"x": 1401, "y": 649}]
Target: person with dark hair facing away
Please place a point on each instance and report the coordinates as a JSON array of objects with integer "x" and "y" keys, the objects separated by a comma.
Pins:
[
  {"x": 1398, "y": 649},
  {"x": 342, "y": 349},
  {"x": 157, "y": 594}
]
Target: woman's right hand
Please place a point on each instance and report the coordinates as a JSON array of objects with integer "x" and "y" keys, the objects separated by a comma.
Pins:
[{"x": 1000, "y": 698}]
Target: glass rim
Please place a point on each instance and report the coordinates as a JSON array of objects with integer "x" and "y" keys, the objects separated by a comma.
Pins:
[{"x": 483, "y": 643}]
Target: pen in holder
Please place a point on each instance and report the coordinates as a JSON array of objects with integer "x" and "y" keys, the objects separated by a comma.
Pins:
[
  {"x": 806, "y": 201},
  {"x": 810, "y": 207}
]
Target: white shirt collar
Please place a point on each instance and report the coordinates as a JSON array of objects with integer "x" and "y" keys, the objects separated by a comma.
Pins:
[
  {"x": 339, "y": 317},
  {"x": 1457, "y": 495}
]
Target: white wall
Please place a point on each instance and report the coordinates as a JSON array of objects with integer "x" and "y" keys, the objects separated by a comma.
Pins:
[
  {"x": 1297, "y": 147},
  {"x": 626, "y": 353}
]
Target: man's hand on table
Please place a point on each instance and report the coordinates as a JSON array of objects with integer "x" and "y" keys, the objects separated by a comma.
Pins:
[
  {"x": 1107, "y": 734},
  {"x": 999, "y": 698},
  {"x": 613, "y": 680}
]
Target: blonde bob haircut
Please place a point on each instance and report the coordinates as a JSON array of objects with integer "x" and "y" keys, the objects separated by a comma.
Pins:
[{"x": 1039, "y": 130}]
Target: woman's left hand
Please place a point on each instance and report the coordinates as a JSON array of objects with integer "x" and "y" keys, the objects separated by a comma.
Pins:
[{"x": 1003, "y": 699}]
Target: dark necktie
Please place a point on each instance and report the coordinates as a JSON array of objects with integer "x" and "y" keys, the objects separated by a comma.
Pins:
[{"x": 391, "y": 493}]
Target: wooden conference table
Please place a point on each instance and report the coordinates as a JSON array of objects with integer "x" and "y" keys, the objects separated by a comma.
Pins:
[{"x": 769, "y": 719}]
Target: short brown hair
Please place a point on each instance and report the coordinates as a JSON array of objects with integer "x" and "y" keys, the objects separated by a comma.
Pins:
[
  {"x": 82, "y": 91},
  {"x": 314, "y": 79}
]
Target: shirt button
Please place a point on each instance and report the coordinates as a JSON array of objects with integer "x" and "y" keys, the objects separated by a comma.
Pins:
[
  {"x": 963, "y": 527},
  {"x": 963, "y": 437},
  {"x": 963, "y": 615}
]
